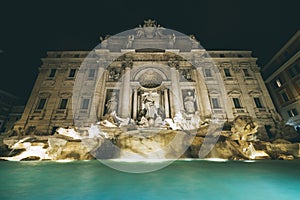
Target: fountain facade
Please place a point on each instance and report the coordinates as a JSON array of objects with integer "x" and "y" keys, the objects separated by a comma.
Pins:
[{"x": 150, "y": 92}]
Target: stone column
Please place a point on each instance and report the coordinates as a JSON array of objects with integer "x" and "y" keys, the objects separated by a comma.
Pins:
[
  {"x": 263, "y": 87},
  {"x": 204, "y": 97},
  {"x": 125, "y": 111},
  {"x": 100, "y": 91},
  {"x": 175, "y": 88},
  {"x": 248, "y": 103},
  {"x": 135, "y": 101},
  {"x": 224, "y": 98},
  {"x": 166, "y": 103}
]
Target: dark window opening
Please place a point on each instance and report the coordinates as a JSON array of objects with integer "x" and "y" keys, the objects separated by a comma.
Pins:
[
  {"x": 72, "y": 73},
  {"x": 236, "y": 102},
  {"x": 246, "y": 72},
  {"x": 227, "y": 72},
  {"x": 63, "y": 104},
  {"x": 285, "y": 96},
  {"x": 41, "y": 104},
  {"x": 52, "y": 73},
  {"x": 257, "y": 102}
]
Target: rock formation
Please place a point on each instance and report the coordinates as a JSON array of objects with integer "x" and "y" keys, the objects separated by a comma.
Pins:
[{"x": 237, "y": 141}]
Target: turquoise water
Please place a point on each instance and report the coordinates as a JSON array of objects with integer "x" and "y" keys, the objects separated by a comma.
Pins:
[{"x": 181, "y": 180}]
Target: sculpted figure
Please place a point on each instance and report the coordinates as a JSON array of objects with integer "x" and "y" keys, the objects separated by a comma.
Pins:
[
  {"x": 139, "y": 32},
  {"x": 172, "y": 40},
  {"x": 150, "y": 107},
  {"x": 189, "y": 101},
  {"x": 130, "y": 41},
  {"x": 112, "y": 104}
]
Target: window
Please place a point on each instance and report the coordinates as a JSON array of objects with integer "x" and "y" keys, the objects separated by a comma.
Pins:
[
  {"x": 246, "y": 72},
  {"x": 85, "y": 103},
  {"x": 277, "y": 83},
  {"x": 292, "y": 71},
  {"x": 91, "y": 73},
  {"x": 227, "y": 72},
  {"x": 215, "y": 102},
  {"x": 284, "y": 96},
  {"x": 293, "y": 112},
  {"x": 257, "y": 102},
  {"x": 236, "y": 103},
  {"x": 76, "y": 56},
  {"x": 72, "y": 73},
  {"x": 207, "y": 73},
  {"x": 63, "y": 104},
  {"x": 41, "y": 104},
  {"x": 52, "y": 73}
]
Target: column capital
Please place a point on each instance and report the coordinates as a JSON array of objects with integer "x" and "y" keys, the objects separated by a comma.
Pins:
[
  {"x": 127, "y": 63},
  {"x": 173, "y": 63}
]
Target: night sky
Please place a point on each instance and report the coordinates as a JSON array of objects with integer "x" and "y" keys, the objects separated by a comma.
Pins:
[{"x": 29, "y": 30}]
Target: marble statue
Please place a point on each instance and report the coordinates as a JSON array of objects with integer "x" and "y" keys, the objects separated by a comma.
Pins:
[
  {"x": 150, "y": 107},
  {"x": 139, "y": 32},
  {"x": 112, "y": 104},
  {"x": 104, "y": 41},
  {"x": 130, "y": 41},
  {"x": 195, "y": 43},
  {"x": 189, "y": 102},
  {"x": 172, "y": 40},
  {"x": 150, "y": 29},
  {"x": 159, "y": 31},
  {"x": 143, "y": 122}
]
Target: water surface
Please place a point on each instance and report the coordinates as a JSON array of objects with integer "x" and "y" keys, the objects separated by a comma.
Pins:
[{"x": 181, "y": 180}]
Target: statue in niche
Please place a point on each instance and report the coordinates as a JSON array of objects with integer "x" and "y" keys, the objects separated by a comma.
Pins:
[
  {"x": 130, "y": 41},
  {"x": 189, "y": 103},
  {"x": 112, "y": 104},
  {"x": 150, "y": 106}
]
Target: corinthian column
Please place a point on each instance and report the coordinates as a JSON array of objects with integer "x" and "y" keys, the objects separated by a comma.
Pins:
[
  {"x": 125, "y": 109},
  {"x": 135, "y": 99},
  {"x": 166, "y": 103},
  {"x": 176, "y": 103}
]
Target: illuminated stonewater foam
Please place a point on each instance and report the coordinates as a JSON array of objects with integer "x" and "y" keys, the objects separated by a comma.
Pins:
[{"x": 149, "y": 98}]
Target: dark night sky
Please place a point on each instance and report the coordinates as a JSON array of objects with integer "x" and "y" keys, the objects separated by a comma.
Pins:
[{"x": 28, "y": 30}]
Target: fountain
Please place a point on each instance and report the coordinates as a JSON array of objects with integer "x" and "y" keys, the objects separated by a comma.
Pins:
[{"x": 182, "y": 137}]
